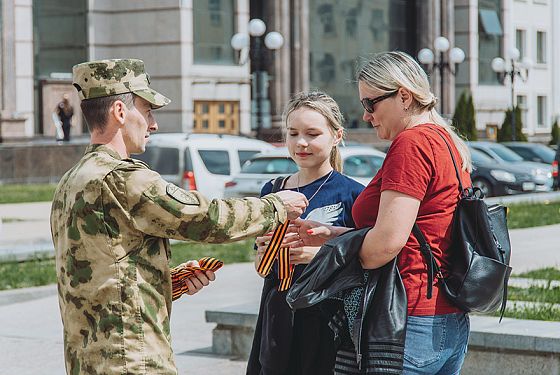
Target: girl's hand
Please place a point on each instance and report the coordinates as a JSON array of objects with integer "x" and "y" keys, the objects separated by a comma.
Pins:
[{"x": 303, "y": 255}]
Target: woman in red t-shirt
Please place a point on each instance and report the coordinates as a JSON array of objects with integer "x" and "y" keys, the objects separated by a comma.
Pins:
[{"x": 417, "y": 183}]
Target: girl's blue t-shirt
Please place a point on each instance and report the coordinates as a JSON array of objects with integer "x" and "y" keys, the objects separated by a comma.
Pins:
[{"x": 332, "y": 204}]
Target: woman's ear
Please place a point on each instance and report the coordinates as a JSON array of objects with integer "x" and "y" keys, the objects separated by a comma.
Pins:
[{"x": 406, "y": 98}]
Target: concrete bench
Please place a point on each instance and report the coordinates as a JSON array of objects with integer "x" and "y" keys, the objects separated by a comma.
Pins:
[
  {"x": 234, "y": 330},
  {"x": 511, "y": 347}
]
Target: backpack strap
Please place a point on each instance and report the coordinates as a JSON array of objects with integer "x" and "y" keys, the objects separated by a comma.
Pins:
[
  {"x": 429, "y": 258},
  {"x": 461, "y": 190},
  {"x": 278, "y": 183},
  {"x": 425, "y": 248}
]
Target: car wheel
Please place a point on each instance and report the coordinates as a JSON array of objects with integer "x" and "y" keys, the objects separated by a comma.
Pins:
[{"x": 484, "y": 185}]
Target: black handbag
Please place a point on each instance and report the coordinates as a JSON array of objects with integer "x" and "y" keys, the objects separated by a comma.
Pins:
[{"x": 479, "y": 254}]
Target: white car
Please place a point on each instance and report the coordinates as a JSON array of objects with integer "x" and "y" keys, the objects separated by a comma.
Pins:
[
  {"x": 202, "y": 162},
  {"x": 359, "y": 162}
]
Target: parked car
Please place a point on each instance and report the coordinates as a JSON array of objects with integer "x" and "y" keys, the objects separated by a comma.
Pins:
[
  {"x": 359, "y": 162},
  {"x": 532, "y": 151},
  {"x": 202, "y": 162},
  {"x": 542, "y": 173},
  {"x": 499, "y": 179}
]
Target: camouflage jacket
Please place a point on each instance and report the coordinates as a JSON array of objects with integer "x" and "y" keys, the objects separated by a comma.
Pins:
[{"x": 110, "y": 221}]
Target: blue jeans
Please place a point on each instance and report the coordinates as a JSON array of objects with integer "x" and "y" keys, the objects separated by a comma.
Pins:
[{"x": 436, "y": 344}]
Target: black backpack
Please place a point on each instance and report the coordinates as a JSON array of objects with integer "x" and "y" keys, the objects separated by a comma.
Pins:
[{"x": 479, "y": 254}]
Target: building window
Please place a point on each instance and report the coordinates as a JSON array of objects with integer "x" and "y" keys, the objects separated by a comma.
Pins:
[
  {"x": 490, "y": 34},
  {"x": 520, "y": 42},
  {"x": 326, "y": 17},
  {"x": 541, "y": 112},
  {"x": 60, "y": 35},
  {"x": 522, "y": 104},
  {"x": 214, "y": 25},
  {"x": 216, "y": 117},
  {"x": 341, "y": 33},
  {"x": 541, "y": 47}
]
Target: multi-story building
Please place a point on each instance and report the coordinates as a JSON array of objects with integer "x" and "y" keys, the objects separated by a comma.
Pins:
[
  {"x": 185, "y": 44},
  {"x": 486, "y": 29},
  {"x": 186, "y": 47}
]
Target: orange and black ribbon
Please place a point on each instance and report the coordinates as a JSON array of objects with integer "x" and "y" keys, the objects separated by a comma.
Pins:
[
  {"x": 276, "y": 251},
  {"x": 182, "y": 272}
]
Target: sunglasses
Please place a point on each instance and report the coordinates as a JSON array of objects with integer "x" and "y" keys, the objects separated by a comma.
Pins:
[{"x": 368, "y": 103}]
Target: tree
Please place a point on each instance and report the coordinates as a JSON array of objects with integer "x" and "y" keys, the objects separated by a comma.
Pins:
[
  {"x": 555, "y": 133},
  {"x": 464, "y": 119},
  {"x": 471, "y": 132},
  {"x": 504, "y": 133}
]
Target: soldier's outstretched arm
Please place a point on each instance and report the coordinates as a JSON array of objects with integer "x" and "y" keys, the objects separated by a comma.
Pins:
[{"x": 162, "y": 209}]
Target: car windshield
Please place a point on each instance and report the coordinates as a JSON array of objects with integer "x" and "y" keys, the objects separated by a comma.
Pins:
[
  {"x": 545, "y": 153},
  {"x": 479, "y": 158},
  {"x": 362, "y": 165},
  {"x": 270, "y": 166},
  {"x": 534, "y": 152},
  {"x": 505, "y": 153},
  {"x": 245, "y": 155}
]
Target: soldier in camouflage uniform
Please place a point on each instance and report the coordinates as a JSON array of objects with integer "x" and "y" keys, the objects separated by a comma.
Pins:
[{"x": 111, "y": 219}]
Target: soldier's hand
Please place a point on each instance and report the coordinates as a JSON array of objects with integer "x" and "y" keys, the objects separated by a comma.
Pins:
[
  {"x": 200, "y": 280},
  {"x": 294, "y": 202}
]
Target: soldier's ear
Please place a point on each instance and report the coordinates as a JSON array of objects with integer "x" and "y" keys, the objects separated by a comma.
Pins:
[{"x": 118, "y": 112}]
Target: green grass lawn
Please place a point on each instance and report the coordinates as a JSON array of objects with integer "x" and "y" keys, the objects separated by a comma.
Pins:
[
  {"x": 535, "y": 294},
  {"x": 22, "y": 193},
  {"x": 41, "y": 270},
  {"x": 540, "y": 312},
  {"x": 533, "y": 215},
  {"x": 549, "y": 273},
  {"x": 36, "y": 272},
  {"x": 236, "y": 252},
  {"x": 547, "y": 295}
]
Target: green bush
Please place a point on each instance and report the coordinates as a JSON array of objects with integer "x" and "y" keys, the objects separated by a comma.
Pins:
[
  {"x": 555, "y": 133},
  {"x": 464, "y": 118},
  {"x": 504, "y": 133}
]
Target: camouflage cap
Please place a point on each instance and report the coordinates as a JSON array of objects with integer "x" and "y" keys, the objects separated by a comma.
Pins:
[{"x": 96, "y": 79}]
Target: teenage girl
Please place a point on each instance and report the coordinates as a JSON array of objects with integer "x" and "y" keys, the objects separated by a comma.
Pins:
[{"x": 304, "y": 344}]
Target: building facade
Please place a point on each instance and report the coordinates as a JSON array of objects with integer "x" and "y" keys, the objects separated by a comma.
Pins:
[
  {"x": 486, "y": 29},
  {"x": 184, "y": 43},
  {"x": 186, "y": 47}
]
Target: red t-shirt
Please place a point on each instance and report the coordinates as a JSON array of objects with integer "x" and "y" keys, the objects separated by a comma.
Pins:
[{"x": 418, "y": 164}]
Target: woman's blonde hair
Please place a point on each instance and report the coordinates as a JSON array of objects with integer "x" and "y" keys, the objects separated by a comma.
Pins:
[
  {"x": 389, "y": 71},
  {"x": 322, "y": 103}
]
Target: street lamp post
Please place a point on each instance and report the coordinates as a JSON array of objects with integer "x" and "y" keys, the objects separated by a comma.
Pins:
[
  {"x": 427, "y": 57},
  {"x": 512, "y": 68},
  {"x": 260, "y": 104}
]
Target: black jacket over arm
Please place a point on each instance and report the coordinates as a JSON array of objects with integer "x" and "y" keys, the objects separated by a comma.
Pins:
[{"x": 380, "y": 327}]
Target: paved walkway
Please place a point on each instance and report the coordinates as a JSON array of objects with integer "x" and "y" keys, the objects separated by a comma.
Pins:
[
  {"x": 31, "y": 339},
  {"x": 31, "y": 331}
]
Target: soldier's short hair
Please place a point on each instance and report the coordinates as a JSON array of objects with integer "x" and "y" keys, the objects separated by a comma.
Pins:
[{"x": 96, "y": 110}]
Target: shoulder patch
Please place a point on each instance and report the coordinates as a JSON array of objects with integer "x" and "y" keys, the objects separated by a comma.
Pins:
[{"x": 181, "y": 195}]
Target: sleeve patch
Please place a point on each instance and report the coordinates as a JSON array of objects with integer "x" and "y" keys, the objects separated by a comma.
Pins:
[{"x": 181, "y": 195}]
